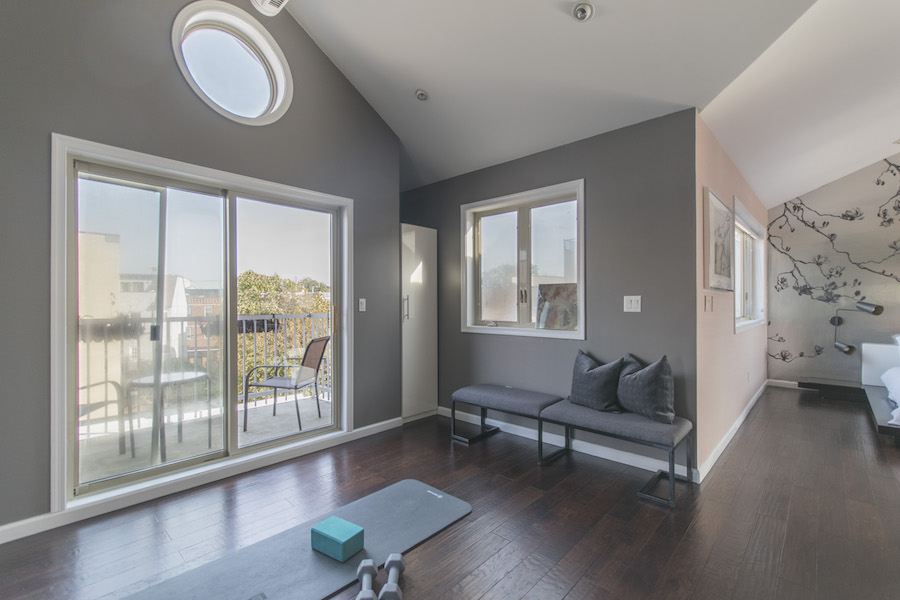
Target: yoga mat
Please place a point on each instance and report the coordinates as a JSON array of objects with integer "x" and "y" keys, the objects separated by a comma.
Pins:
[{"x": 284, "y": 566}]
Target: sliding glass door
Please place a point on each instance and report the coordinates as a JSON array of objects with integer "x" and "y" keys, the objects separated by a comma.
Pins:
[{"x": 199, "y": 321}]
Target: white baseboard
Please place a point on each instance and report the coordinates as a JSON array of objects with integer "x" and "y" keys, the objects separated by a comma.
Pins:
[
  {"x": 782, "y": 383},
  {"x": 108, "y": 501},
  {"x": 620, "y": 456},
  {"x": 707, "y": 465},
  {"x": 424, "y": 415}
]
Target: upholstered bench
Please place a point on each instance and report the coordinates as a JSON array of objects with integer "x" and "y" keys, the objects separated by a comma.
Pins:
[
  {"x": 626, "y": 426},
  {"x": 505, "y": 399}
]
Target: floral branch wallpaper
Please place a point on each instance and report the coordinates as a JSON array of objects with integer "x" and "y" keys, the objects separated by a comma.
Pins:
[{"x": 829, "y": 249}]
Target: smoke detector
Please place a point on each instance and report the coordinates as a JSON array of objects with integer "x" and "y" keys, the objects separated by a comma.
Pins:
[
  {"x": 583, "y": 11},
  {"x": 270, "y": 8}
]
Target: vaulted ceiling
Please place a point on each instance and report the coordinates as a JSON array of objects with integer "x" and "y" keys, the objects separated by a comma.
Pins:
[{"x": 798, "y": 92}]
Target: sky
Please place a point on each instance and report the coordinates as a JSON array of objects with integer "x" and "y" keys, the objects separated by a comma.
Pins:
[
  {"x": 550, "y": 226},
  {"x": 271, "y": 239},
  {"x": 227, "y": 72}
]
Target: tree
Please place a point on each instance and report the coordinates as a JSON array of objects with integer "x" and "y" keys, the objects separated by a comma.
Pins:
[
  {"x": 264, "y": 341},
  {"x": 271, "y": 294}
]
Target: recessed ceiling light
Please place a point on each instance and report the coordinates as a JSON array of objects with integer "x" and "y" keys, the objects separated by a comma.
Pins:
[
  {"x": 421, "y": 95},
  {"x": 583, "y": 11}
]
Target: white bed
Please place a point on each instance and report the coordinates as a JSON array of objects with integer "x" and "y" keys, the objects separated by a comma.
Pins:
[{"x": 876, "y": 360}]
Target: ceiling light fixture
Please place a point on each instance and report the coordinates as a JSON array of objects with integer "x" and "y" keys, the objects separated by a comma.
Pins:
[
  {"x": 583, "y": 11},
  {"x": 270, "y": 8},
  {"x": 421, "y": 95}
]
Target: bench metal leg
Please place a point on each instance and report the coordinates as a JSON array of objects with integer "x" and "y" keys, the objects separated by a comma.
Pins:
[
  {"x": 486, "y": 429},
  {"x": 644, "y": 492},
  {"x": 543, "y": 460}
]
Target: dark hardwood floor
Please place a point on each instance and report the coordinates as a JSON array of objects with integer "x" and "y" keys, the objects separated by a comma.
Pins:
[{"x": 804, "y": 503}]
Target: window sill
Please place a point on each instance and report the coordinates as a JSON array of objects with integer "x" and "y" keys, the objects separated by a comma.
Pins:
[
  {"x": 525, "y": 332},
  {"x": 745, "y": 324}
]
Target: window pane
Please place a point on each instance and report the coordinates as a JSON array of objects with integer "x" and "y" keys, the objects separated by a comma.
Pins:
[
  {"x": 738, "y": 274},
  {"x": 554, "y": 265},
  {"x": 118, "y": 248},
  {"x": 228, "y": 71},
  {"x": 147, "y": 361},
  {"x": 498, "y": 267},
  {"x": 284, "y": 264}
]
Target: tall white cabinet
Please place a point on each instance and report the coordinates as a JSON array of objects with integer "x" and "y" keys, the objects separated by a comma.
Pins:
[{"x": 418, "y": 305}]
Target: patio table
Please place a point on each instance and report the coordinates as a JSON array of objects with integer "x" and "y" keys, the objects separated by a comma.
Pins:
[{"x": 177, "y": 379}]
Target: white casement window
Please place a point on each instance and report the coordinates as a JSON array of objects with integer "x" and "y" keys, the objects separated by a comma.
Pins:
[
  {"x": 749, "y": 274},
  {"x": 523, "y": 259}
]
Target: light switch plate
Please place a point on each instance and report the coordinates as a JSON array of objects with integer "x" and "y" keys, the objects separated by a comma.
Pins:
[
  {"x": 632, "y": 304},
  {"x": 362, "y": 305}
]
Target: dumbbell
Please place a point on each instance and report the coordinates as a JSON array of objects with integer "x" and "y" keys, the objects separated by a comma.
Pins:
[
  {"x": 366, "y": 573},
  {"x": 394, "y": 566}
]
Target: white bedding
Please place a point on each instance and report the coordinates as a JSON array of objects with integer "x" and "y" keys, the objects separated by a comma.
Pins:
[{"x": 876, "y": 359}]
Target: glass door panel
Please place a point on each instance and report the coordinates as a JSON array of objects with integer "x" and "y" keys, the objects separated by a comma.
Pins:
[
  {"x": 284, "y": 283},
  {"x": 118, "y": 256},
  {"x": 150, "y": 286}
]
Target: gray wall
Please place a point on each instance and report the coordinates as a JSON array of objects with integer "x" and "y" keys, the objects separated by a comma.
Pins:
[
  {"x": 828, "y": 249},
  {"x": 640, "y": 240},
  {"x": 104, "y": 71}
]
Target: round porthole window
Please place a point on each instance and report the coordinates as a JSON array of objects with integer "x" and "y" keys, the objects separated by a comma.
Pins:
[{"x": 232, "y": 62}]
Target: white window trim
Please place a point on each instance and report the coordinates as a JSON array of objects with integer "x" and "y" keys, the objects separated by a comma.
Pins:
[
  {"x": 467, "y": 260},
  {"x": 64, "y": 150},
  {"x": 743, "y": 218}
]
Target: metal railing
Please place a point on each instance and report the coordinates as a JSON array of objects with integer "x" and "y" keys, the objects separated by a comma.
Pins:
[
  {"x": 117, "y": 350},
  {"x": 274, "y": 339}
]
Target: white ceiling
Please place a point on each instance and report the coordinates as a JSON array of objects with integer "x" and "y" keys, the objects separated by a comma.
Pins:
[
  {"x": 508, "y": 78},
  {"x": 822, "y": 102}
]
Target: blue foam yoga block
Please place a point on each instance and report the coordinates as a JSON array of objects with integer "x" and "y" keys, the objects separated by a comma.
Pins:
[{"x": 337, "y": 538}]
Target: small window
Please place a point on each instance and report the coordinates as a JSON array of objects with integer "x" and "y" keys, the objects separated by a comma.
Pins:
[
  {"x": 748, "y": 269},
  {"x": 208, "y": 311},
  {"x": 232, "y": 62},
  {"x": 523, "y": 260}
]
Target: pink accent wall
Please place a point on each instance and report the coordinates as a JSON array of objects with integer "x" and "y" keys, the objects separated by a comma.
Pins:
[{"x": 731, "y": 367}]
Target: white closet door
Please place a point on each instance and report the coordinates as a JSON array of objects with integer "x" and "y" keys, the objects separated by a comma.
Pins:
[{"x": 418, "y": 303}]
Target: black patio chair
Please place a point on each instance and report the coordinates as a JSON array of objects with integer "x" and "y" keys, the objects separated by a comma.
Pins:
[{"x": 292, "y": 377}]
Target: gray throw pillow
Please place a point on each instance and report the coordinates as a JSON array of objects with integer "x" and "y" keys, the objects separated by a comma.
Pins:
[
  {"x": 648, "y": 391},
  {"x": 594, "y": 385}
]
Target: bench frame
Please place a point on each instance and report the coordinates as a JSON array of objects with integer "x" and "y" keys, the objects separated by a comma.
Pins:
[
  {"x": 488, "y": 430},
  {"x": 644, "y": 492}
]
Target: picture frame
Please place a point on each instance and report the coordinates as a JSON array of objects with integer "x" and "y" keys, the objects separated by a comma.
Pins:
[{"x": 718, "y": 246}]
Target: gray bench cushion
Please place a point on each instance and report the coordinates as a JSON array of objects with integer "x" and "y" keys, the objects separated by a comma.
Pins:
[
  {"x": 629, "y": 425},
  {"x": 506, "y": 399}
]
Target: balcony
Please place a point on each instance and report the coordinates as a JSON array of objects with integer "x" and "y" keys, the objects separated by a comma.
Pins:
[{"x": 116, "y": 385}]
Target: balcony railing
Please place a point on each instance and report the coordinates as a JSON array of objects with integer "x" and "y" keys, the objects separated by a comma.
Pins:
[{"x": 115, "y": 351}]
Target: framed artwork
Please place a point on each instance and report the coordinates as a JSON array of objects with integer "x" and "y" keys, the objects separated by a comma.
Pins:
[{"x": 718, "y": 243}]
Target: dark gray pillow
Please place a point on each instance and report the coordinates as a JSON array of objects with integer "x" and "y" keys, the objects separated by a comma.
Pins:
[
  {"x": 648, "y": 391},
  {"x": 594, "y": 385}
]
